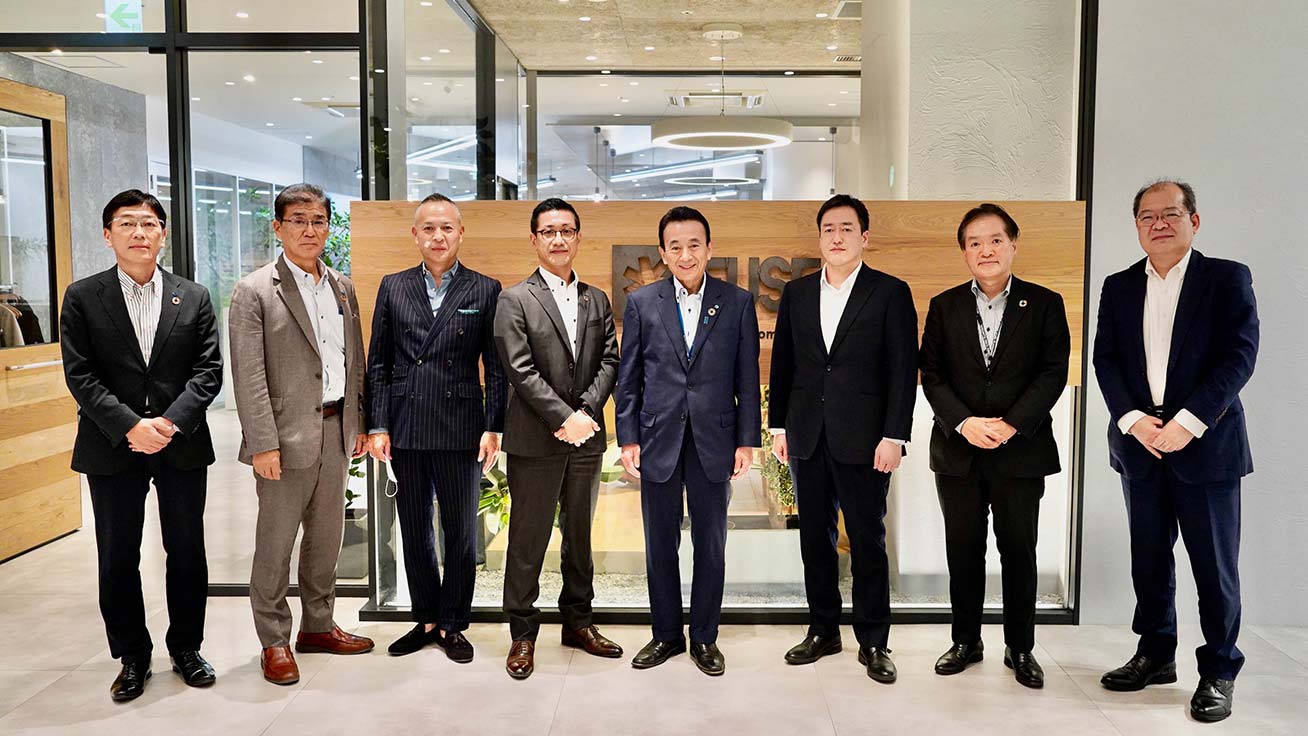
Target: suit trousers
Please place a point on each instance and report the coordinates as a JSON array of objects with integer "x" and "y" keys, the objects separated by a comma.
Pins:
[
  {"x": 118, "y": 502},
  {"x": 312, "y": 498},
  {"x": 966, "y": 503},
  {"x": 537, "y": 485},
  {"x": 662, "y": 510},
  {"x": 450, "y": 479},
  {"x": 1208, "y": 517},
  {"x": 823, "y": 485}
]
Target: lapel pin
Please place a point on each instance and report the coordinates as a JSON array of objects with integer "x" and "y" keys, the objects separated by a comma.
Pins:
[
  {"x": 176, "y": 299},
  {"x": 713, "y": 310},
  {"x": 1022, "y": 303}
]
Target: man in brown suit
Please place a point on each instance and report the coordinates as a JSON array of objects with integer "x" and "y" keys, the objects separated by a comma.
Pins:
[{"x": 297, "y": 368}]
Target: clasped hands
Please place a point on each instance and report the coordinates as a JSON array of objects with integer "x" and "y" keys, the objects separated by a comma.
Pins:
[
  {"x": 151, "y": 435},
  {"x": 1158, "y": 438},
  {"x": 987, "y": 433},
  {"x": 577, "y": 428}
]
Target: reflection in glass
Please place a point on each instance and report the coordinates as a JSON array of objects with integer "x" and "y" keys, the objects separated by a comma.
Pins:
[{"x": 26, "y": 307}]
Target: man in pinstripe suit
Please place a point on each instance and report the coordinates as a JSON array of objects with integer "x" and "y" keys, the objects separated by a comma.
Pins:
[{"x": 428, "y": 417}]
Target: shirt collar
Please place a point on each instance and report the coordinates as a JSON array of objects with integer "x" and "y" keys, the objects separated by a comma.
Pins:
[
  {"x": 445, "y": 277},
  {"x": 683, "y": 293},
  {"x": 845, "y": 285},
  {"x": 300, "y": 274},
  {"x": 976, "y": 290},
  {"x": 155, "y": 282},
  {"x": 1179, "y": 268},
  {"x": 554, "y": 282}
]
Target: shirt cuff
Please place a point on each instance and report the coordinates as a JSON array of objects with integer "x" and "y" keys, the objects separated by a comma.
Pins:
[
  {"x": 774, "y": 431},
  {"x": 1191, "y": 423},
  {"x": 378, "y": 430},
  {"x": 901, "y": 443},
  {"x": 959, "y": 428},
  {"x": 1129, "y": 419}
]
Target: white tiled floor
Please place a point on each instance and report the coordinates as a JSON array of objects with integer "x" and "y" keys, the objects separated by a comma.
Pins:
[{"x": 55, "y": 672}]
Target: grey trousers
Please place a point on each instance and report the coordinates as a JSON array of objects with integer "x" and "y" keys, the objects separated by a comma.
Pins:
[
  {"x": 536, "y": 486},
  {"x": 312, "y": 497}
]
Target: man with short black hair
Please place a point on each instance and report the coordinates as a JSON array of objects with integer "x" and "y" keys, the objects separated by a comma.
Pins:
[
  {"x": 688, "y": 416},
  {"x": 297, "y": 365},
  {"x": 558, "y": 347},
  {"x": 141, "y": 359}
]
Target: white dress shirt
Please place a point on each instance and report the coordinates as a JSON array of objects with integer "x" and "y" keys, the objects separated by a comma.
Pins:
[
  {"x": 327, "y": 316},
  {"x": 832, "y": 301},
  {"x": 144, "y": 302},
  {"x": 1162, "y": 293},
  {"x": 565, "y": 298},
  {"x": 689, "y": 306}
]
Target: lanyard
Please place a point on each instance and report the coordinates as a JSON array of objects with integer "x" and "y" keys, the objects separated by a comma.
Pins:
[{"x": 987, "y": 348}]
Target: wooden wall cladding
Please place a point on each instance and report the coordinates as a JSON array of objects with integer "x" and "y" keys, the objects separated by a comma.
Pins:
[
  {"x": 758, "y": 245},
  {"x": 40, "y": 496}
]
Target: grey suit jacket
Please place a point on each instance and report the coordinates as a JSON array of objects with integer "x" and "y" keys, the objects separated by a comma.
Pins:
[
  {"x": 277, "y": 371},
  {"x": 548, "y": 381}
]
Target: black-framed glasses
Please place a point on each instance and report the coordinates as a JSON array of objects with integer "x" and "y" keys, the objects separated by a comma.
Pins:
[
  {"x": 300, "y": 223},
  {"x": 568, "y": 234},
  {"x": 1171, "y": 217}
]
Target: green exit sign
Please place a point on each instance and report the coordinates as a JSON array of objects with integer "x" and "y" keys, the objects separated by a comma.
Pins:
[{"x": 123, "y": 16}]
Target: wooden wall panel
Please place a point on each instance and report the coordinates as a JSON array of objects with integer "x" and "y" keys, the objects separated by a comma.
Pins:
[{"x": 915, "y": 241}]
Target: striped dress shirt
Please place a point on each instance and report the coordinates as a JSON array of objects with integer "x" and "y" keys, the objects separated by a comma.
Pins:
[{"x": 143, "y": 305}]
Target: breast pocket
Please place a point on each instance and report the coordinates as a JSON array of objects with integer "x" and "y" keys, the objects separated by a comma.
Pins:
[{"x": 647, "y": 419}]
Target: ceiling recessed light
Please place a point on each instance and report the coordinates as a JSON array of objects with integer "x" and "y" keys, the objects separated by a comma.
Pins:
[
  {"x": 584, "y": 19},
  {"x": 230, "y": 84},
  {"x": 56, "y": 51},
  {"x": 717, "y": 58},
  {"x": 499, "y": 79},
  {"x": 617, "y": 114},
  {"x": 832, "y": 47},
  {"x": 604, "y": 84},
  {"x": 325, "y": 99},
  {"x": 442, "y": 51},
  {"x": 101, "y": 16},
  {"x": 269, "y": 124},
  {"x": 605, "y": 71},
  {"x": 308, "y": 137},
  {"x": 634, "y": 84},
  {"x": 591, "y": 57},
  {"x": 297, "y": 99},
  {"x": 822, "y": 140},
  {"x": 844, "y": 91},
  {"x": 425, "y": 3},
  {"x": 354, "y": 78},
  {"x": 413, "y": 99},
  {"x": 378, "y": 71},
  {"x": 317, "y": 61},
  {"x": 424, "y": 58},
  {"x": 426, "y": 84},
  {"x": 790, "y": 74},
  {"x": 195, "y": 99},
  {"x": 242, "y": 14},
  {"x": 649, "y": 48},
  {"x": 458, "y": 84},
  {"x": 821, "y": 15},
  {"x": 526, "y": 105},
  {"x": 831, "y": 104},
  {"x": 717, "y": 89},
  {"x": 248, "y": 77}
]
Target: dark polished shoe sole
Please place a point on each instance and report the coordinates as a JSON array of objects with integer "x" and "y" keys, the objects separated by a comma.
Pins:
[
  {"x": 1163, "y": 678},
  {"x": 637, "y": 664},
  {"x": 1209, "y": 718},
  {"x": 974, "y": 659},
  {"x": 708, "y": 671},
  {"x": 310, "y": 649},
  {"x": 202, "y": 681},
  {"x": 837, "y": 649},
  {"x": 123, "y": 698},
  {"x": 862, "y": 659},
  {"x": 582, "y": 647}
]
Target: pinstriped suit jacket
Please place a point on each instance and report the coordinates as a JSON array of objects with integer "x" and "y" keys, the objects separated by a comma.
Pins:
[{"x": 423, "y": 382}]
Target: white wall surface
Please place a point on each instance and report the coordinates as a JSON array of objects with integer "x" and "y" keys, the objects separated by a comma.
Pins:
[{"x": 1212, "y": 92}]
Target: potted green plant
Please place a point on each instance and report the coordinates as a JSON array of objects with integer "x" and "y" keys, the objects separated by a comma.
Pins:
[{"x": 777, "y": 483}]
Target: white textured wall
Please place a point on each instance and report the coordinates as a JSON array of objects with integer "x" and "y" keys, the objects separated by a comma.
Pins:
[
  {"x": 992, "y": 110},
  {"x": 1180, "y": 94}
]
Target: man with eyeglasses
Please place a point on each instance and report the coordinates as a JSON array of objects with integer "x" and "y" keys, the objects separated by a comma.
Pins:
[
  {"x": 559, "y": 349},
  {"x": 1177, "y": 339},
  {"x": 141, "y": 359},
  {"x": 297, "y": 365},
  {"x": 432, "y": 334}
]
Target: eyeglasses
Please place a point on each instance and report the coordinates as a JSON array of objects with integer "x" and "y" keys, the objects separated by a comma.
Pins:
[
  {"x": 126, "y": 224},
  {"x": 299, "y": 223},
  {"x": 568, "y": 234},
  {"x": 1171, "y": 217}
]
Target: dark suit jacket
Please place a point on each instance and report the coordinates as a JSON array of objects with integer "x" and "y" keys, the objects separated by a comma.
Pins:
[
  {"x": 423, "y": 383},
  {"x": 861, "y": 391},
  {"x": 716, "y": 390},
  {"x": 548, "y": 382},
  {"x": 115, "y": 388},
  {"x": 1022, "y": 384},
  {"x": 1214, "y": 347}
]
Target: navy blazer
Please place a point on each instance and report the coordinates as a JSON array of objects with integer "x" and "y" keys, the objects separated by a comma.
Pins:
[
  {"x": 423, "y": 382},
  {"x": 870, "y": 373},
  {"x": 715, "y": 390},
  {"x": 114, "y": 387},
  {"x": 1214, "y": 346}
]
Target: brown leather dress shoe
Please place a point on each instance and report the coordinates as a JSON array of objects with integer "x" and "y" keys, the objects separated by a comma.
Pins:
[
  {"x": 592, "y": 642},
  {"x": 522, "y": 660},
  {"x": 279, "y": 666},
  {"x": 333, "y": 642}
]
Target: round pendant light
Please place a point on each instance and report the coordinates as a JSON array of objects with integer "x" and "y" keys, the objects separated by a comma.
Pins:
[{"x": 721, "y": 133}]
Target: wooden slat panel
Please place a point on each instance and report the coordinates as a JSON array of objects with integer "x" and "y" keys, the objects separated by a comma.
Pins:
[
  {"x": 35, "y": 445},
  {"x": 39, "y": 515},
  {"x": 915, "y": 241},
  {"x": 33, "y": 101},
  {"x": 42, "y": 471},
  {"x": 24, "y": 418}
]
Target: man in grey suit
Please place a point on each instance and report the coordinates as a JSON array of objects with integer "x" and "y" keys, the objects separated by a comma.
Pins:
[
  {"x": 297, "y": 368},
  {"x": 559, "y": 349}
]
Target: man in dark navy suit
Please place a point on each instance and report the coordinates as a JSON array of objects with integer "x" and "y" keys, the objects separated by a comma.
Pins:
[
  {"x": 1177, "y": 340},
  {"x": 688, "y": 417},
  {"x": 843, "y": 384},
  {"x": 427, "y": 415}
]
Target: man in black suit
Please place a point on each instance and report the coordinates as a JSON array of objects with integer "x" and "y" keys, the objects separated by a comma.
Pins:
[
  {"x": 559, "y": 349},
  {"x": 432, "y": 325},
  {"x": 688, "y": 416},
  {"x": 843, "y": 383},
  {"x": 1178, "y": 436},
  {"x": 140, "y": 353},
  {"x": 994, "y": 362}
]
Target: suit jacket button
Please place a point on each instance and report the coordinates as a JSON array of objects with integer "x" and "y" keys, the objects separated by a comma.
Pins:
[
  {"x": 683, "y": 417},
  {"x": 987, "y": 383},
  {"x": 460, "y": 330},
  {"x": 448, "y": 394},
  {"x": 449, "y": 363},
  {"x": 419, "y": 361},
  {"x": 572, "y": 367},
  {"x": 690, "y": 385},
  {"x": 828, "y": 369},
  {"x": 822, "y": 400}
]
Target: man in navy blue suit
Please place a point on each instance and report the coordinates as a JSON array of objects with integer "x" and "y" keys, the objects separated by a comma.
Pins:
[
  {"x": 688, "y": 416},
  {"x": 1177, "y": 340},
  {"x": 427, "y": 415}
]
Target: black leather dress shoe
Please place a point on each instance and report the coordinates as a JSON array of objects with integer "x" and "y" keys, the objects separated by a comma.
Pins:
[
  {"x": 417, "y": 638},
  {"x": 1025, "y": 668},
  {"x": 879, "y": 665},
  {"x": 1212, "y": 699},
  {"x": 812, "y": 649},
  {"x": 708, "y": 659},
  {"x": 657, "y": 652},
  {"x": 1139, "y": 673},
  {"x": 959, "y": 657},
  {"x": 194, "y": 670},
  {"x": 456, "y": 646},
  {"x": 130, "y": 682}
]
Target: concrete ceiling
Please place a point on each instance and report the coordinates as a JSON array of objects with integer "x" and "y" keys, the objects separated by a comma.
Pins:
[{"x": 548, "y": 34}]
